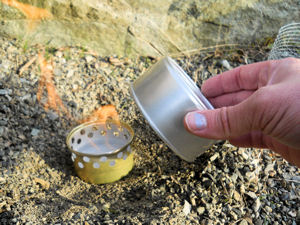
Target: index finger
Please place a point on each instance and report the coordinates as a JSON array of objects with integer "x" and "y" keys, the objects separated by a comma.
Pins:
[{"x": 246, "y": 77}]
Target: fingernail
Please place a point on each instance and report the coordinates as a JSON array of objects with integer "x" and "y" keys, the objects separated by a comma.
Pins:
[{"x": 195, "y": 121}]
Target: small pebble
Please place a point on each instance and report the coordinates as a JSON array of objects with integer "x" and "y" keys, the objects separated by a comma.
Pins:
[
  {"x": 89, "y": 58},
  {"x": 186, "y": 208},
  {"x": 293, "y": 213},
  {"x": 252, "y": 194},
  {"x": 243, "y": 222},
  {"x": 5, "y": 91},
  {"x": 200, "y": 210},
  {"x": 226, "y": 64},
  {"x": 268, "y": 209},
  {"x": 256, "y": 205},
  {"x": 35, "y": 132}
]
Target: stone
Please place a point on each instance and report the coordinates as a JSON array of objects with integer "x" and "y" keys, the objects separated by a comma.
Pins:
[
  {"x": 285, "y": 196},
  {"x": 142, "y": 27},
  {"x": 26, "y": 97},
  {"x": 200, "y": 210},
  {"x": 186, "y": 208},
  {"x": 268, "y": 209},
  {"x": 296, "y": 178},
  {"x": 259, "y": 222},
  {"x": 214, "y": 157},
  {"x": 237, "y": 196},
  {"x": 293, "y": 213},
  {"x": 2, "y": 180},
  {"x": 233, "y": 214},
  {"x": 5, "y": 91},
  {"x": 35, "y": 132},
  {"x": 243, "y": 222},
  {"x": 57, "y": 72},
  {"x": 269, "y": 168},
  {"x": 251, "y": 194},
  {"x": 89, "y": 58},
  {"x": 70, "y": 73},
  {"x": 256, "y": 205},
  {"x": 24, "y": 81},
  {"x": 225, "y": 64},
  {"x": 45, "y": 184},
  {"x": 2, "y": 131},
  {"x": 53, "y": 115}
]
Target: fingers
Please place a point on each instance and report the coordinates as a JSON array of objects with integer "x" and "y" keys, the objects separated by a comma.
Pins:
[
  {"x": 247, "y": 77},
  {"x": 230, "y": 99},
  {"x": 223, "y": 123}
]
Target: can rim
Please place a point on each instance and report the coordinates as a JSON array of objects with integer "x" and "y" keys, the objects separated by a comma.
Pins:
[
  {"x": 80, "y": 126},
  {"x": 190, "y": 87}
]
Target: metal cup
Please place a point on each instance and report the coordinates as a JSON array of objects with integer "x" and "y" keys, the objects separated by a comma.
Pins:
[
  {"x": 164, "y": 94},
  {"x": 101, "y": 152}
]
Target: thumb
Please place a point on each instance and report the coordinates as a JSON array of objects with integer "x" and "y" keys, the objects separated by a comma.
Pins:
[{"x": 223, "y": 123}]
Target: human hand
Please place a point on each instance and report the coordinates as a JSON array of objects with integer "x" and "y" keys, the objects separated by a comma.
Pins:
[{"x": 257, "y": 105}]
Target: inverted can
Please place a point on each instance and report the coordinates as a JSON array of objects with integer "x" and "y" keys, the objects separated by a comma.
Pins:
[{"x": 165, "y": 94}]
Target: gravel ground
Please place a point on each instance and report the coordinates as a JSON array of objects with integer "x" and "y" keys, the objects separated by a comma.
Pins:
[{"x": 226, "y": 185}]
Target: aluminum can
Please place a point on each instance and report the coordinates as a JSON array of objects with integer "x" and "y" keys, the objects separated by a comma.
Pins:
[{"x": 165, "y": 94}]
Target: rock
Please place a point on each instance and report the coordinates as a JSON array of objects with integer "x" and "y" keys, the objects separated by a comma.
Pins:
[
  {"x": 26, "y": 97},
  {"x": 233, "y": 214},
  {"x": 251, "y": 176},
  {"x": 57, "y": 72},
  {"x": 53, "y": 115},
  {"x": 2, "y": 131},
  {"x": 24, "y": 81},
  {"x": 259, "y": 222},
  {"x": 295, "y": 178},
  {"x": 43, "y": 183},
  {"x": 5, "y": 91},
  {"x": 214, "y": 157},
  {"x": 243, "y": 222},
  {"x": 225, "y": 64},
  {"x": 269, "y": 168},
  {"x": 237, "y": 196},
  {"x": 59, "y": 54},
  {"x": 2, "y": 204},
  {"x": 2, "y": 180},
  {"x": 35, "y": 132},
  {"x": 251, "y": 194},
  {"x": 5, "y": 65},
  {"x": 268, "y": 209},
  {"x": 285, "y": 196},
  {"x": 149, "y": 28},
  {"x": 234, "y": 177},
  {"x": 200, "y": 210},
  {"x": 186, "y": 208},
  {"x": 271, "y": 182},
  {"x": 89, "y": 58},
  {"x": 293, "y": 213},
  {"x": 70, "y": 73},
  {"x": 256, "y": 205}
]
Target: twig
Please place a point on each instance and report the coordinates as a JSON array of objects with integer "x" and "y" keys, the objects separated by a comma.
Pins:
[
  {"x": 193, "y": 51},
  {"x": 29, "y": 63},
  {"x": 294, "y": 181}
]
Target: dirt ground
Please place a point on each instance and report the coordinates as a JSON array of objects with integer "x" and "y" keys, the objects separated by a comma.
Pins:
[{"x": 225, "y": 185}]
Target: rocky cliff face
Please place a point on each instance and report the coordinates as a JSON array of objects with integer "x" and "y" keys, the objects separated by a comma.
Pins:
[{"x": 143, "y": 27}]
